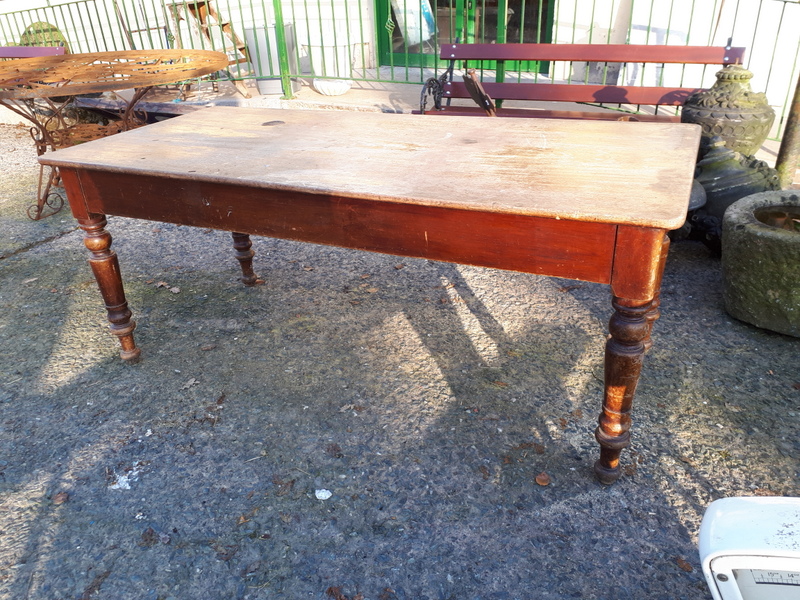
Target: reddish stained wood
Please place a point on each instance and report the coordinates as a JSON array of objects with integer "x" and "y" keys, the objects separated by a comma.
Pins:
[
  {"x": 72, "y": 186},
  {"x": 470, "y": 111},
  {"x": 625, "y": 349},
  {"x": 632, "y": 53},
  {"x": 638, "y": 263},
  {"x": 557, "y": 92},
  {"x": 105, "y": 266},
  {"x": 559, "y": 247}
]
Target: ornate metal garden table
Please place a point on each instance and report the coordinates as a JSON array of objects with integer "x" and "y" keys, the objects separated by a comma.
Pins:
[
  {"x": 578, "y": 199},
  {"x": 54, "y": 80}
]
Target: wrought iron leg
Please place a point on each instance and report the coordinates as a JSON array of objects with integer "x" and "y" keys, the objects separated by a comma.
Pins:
[{"x": 47, "y": 203}]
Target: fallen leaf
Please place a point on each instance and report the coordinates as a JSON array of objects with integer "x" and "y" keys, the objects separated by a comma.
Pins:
[
  {"x": 161, "y": 284},
  {"x": 31, "y": 280},
  {"x": 484, "y": 471},
  {"x": 685, "y": 566},
  {"x": 60, "y": 498},
  {"x": 796, "y": 385},
  {"x": 334, "y": 450},
  {"x": 569, "y": 288},
  {"x": 208, "y": 347},
  {"x": 251, "y": 569},
  {"x": 149, "y": 537},
  {"x": 366, "y": 276},
  {"x": 225, "y": 553},
  {"x": 538, "y": 448},
  {"x": 562, "y": 422},
  {"x": 336, "y": 593},
  {"x": 372, "y": 290},
  {"x": 284, "y": 487},
  {"x": 308, "y": 268},
  {"x": 94, "y": 586},
  {"x": 399, "y": 266},
  {"x": 543, "y": 479},
  {"x": 500, "y": 383},
  {"x": 175, "y": 290},
  {"x": 577, "y": 413},
  {"x": 242, "y": 520}
]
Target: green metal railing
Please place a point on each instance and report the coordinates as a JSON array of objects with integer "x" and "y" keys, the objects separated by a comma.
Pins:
[{"x": 397, "y": 41}]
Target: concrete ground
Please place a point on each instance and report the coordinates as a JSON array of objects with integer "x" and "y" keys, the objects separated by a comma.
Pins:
[{"x": 361, "y": 426}]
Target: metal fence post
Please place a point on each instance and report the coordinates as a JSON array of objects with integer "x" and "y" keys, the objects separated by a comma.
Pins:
[
  {"x": 283, "y": 51},
  {"x": 787, "y": 162}
]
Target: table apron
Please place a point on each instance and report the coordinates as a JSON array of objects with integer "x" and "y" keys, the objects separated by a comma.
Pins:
[{"x": 530, "y": 244}]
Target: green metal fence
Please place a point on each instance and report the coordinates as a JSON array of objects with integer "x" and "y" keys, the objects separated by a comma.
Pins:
[{"x": 278, "y": 41}]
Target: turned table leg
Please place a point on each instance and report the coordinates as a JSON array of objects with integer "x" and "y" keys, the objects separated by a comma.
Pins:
[
  {"x": 245, "y": 254},
  {"x": 105, "y": 267},
  {"x": 630, "y": 333}
]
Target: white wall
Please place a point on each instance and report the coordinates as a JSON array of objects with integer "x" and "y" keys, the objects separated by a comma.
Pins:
[{"x": 768, "y": 29}]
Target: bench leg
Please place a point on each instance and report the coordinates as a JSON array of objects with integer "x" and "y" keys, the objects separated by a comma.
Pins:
[
  {"x": 105, "y": 267},
  {"x": 625, "y": 349},
  {"x": 245, "y": 254}
]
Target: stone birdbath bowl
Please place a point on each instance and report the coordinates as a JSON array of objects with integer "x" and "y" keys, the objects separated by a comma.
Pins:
[{"x": 761, "y": 260}]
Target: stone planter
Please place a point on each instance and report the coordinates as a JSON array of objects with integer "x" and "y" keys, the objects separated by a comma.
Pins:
[{"x": 761, "y": 261}]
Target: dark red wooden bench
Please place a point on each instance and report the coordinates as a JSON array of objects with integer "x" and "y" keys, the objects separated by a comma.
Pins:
[
  {"x": 608, "y": 93},
  {"x": 30, "y": 51}
]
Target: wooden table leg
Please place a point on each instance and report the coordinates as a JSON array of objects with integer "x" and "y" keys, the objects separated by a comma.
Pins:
[
  {"x": 245, "y": 254},
  {"x": 639, "y": 259},
  {"x": 654, "y": 312},
  {"x": 625, "y": 349},
  {"x": 105, "y": 267}
]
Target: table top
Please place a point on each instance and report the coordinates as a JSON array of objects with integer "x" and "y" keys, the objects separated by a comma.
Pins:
[
  {"x": 75, "y": 74},
  {"x": 601, "y": 171}
]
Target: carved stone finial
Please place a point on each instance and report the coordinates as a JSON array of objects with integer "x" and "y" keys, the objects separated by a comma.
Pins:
[{"x": 731, "y": 110}]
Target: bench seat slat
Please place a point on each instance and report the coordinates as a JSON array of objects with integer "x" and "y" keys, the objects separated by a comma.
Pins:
[
  {"x": 606, "y": 115},
  {"x": 559, "y": 92},
  {"x": 632, "y": 53}
]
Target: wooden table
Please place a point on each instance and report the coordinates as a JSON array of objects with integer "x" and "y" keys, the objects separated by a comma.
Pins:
[
  {"x": 575, "y": 199},
  {"x": 56, "y": 79}
]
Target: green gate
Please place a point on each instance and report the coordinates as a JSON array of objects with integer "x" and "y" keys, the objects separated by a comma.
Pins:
[{"x": 410, "y": 32}]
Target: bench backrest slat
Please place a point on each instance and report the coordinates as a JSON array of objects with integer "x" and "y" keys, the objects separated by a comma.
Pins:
[
  {"x": 30, "y": 51},
  {"x": 632, "y": 53},
  {"x": 555, "y": 92}
]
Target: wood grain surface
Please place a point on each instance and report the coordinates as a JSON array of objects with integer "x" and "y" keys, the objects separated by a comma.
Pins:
[{"x": 609, "y": 172}]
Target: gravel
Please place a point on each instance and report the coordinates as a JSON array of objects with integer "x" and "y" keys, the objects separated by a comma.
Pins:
[{"x": 361, "y": 426}]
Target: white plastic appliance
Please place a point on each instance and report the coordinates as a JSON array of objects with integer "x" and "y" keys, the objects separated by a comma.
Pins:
[{"x": 750, "y": 548}]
